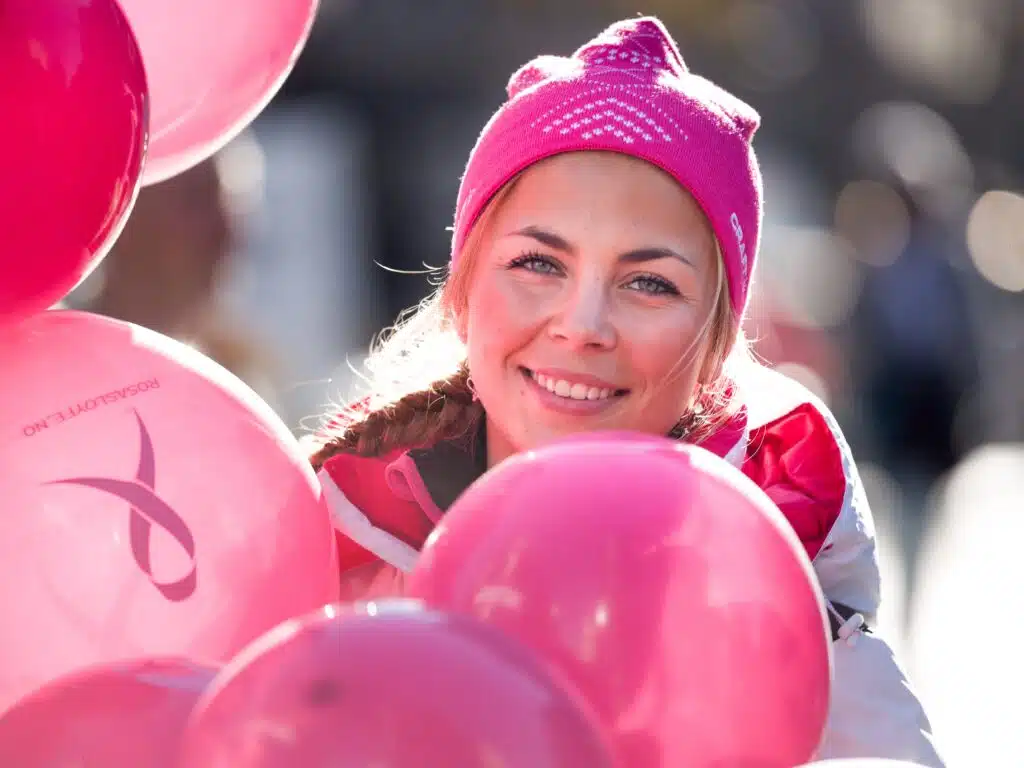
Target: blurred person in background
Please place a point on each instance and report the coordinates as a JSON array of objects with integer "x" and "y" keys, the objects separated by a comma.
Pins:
[
  {"x": 164, "y": 271},
  {"x": 917, "y": 365}
]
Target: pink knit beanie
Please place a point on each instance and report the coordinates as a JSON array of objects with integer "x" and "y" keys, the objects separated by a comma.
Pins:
[{"x": 629, "y": 91}]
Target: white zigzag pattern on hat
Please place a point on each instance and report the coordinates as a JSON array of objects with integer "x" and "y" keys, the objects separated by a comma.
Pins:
[
  {"x": 606, "y": 115},
  {"x": 611, "y": 58}
]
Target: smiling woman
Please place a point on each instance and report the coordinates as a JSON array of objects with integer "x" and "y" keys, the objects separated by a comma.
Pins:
[
  {"x": 591, "y": 301},
  {"x": 605, "y": 235}
]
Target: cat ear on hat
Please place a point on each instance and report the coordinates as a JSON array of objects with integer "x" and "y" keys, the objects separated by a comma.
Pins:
[
  {"x": 539, "y": 70},
  {"x": 643, "y": 41},
  {"x": 745, "y": 117},
  {"x": 732, "y": 112}
]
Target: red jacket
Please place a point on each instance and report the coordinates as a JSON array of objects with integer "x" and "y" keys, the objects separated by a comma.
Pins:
[
  {"x": 786, "y": 441},
  {"x": 795, "y": 457}
]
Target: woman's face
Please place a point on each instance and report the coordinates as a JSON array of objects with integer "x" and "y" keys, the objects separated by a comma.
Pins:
[{"x": 589, "y": 302}]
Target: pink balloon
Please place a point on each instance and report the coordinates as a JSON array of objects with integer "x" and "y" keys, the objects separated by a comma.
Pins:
[
  {"x": 72, "y": 139},
  {"x": 127, "y": 715},
  {"x": 151, "y": 504},
  {"x": 867, "y": 762},
  {"x": 624, "y": 440},
  {"x": 665, "y": 585},
  {"x": 389, "y": 685},
  {"x": 213, "y": 65}
]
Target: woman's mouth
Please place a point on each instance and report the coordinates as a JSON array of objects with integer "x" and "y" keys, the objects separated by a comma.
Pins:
[{"x": 571, "y": 389}]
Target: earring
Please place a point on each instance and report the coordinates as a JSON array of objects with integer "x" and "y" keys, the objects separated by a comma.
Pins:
[{"x": 680, "y": 430}]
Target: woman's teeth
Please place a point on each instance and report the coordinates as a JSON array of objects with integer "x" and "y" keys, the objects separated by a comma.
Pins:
[{"x": 563, "y": 388}]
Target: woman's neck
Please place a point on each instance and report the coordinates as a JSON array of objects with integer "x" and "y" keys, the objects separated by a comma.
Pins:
[{"x": 499, "y": 447}]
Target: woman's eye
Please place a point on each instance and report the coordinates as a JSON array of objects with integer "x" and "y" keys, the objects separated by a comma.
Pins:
[
  {"x": 654, "y": 286},
  {"x": 541, "y": 264},
  {"x": 535, "y": 262}
]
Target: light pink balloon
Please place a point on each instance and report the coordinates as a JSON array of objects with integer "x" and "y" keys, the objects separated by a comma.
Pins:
[
  {"x": 663, "y": 583},
  {"x": 150, "y": 504},
  {"x": 128, "y": 715},
  {"x": 389, "y": 685},
  {"x": 212, "y": 66}
]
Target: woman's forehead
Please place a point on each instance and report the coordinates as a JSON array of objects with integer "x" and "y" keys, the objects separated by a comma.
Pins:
[
  {"x": 602, "y": 190},
  {"x": 587, "y": 166}
]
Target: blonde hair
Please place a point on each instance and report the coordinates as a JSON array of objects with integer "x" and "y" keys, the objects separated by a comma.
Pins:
[{"x": 420, "y": 391}]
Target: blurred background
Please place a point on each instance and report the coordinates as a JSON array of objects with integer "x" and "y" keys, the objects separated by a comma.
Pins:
[{"x": 891, "y": 277}]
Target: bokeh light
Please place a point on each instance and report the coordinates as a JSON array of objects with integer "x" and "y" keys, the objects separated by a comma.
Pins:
[{"x": 995, "y": 238}]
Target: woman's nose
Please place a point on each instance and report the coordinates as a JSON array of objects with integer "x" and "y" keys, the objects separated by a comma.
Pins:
[{"x": 583, "y": 320}]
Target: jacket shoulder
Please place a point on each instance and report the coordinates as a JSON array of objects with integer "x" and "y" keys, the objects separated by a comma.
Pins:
[{"x": 797, "y": 453}]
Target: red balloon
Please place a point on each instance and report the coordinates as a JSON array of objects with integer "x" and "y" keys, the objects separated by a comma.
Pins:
[
  {"x": 664, "y": 584},
  {"x": 391, "y": 685},
  {"x": 213, "y": 65},
  {"x": 127, "y": 715},
  {"x": 72, "y": 139}
]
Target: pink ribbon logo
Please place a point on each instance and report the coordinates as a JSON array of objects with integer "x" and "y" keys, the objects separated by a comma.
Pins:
[{"x": 146, "y": 509}]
